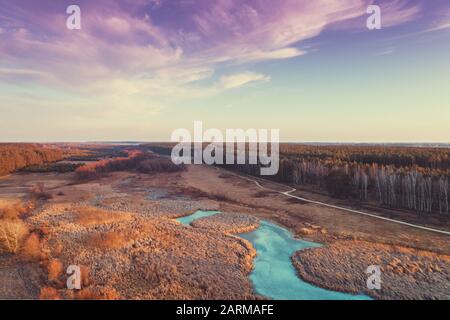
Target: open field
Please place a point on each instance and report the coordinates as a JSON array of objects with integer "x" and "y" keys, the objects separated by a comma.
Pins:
[
  {"x": 92, "y": 225},
  {"x": 120, "y": 227}
]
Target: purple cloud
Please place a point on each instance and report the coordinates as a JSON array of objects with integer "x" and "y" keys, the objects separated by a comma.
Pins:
[{"x": 174, "y": 42}]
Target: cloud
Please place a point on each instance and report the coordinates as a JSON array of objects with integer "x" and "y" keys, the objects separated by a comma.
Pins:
[
  {"x": 393, "y": 13},
  {"x": 385, "y": 52},
  {"x": 278, "y": 54},
  {"x": 442, "y": 23},
  {"x": 17, "y": 74},
  {"x": 155, "y": 49},
  {"x": 241, "y": 79},
  {"x": 441, "y": 26},
  {"x": 398, "y": 12}
]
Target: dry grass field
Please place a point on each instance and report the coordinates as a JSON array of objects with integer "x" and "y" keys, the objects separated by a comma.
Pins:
[{"x": 121, "y": 230}]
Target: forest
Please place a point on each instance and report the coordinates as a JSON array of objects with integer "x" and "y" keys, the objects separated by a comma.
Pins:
[
  {"x": 404, "y": 177},
  {"x": 15, "y": 156},
  {"x": 135, "y": 160},
  {"x": 398, "y": 177}
]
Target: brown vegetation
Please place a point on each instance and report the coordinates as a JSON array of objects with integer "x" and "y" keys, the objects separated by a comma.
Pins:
[
  {"x": 55, "y": 270},
  {"x": 13, "y": 230},
  {"x": 228, "y": 222},
  {"x": 107, "y": 240},
  {"x": 49, "y": 293},
  {"x": 14, "y": 211},
  {"x": 263, "y": 194},
  {"x": 53, "y": 167},
  {"x": 165, "y": 260},
  {"x": 17, "y": 156},
  {"x": 12, "y": 234},
  {"x": 38, "y": 192},
  {"x": 32, "y": 248},
  {"x": 342, "y": 266},
  {"x": 15, "y": 234},
  {"x": 94, "y": 294},
  {"x": 143, "y": 162},
  {"x": 85, "y": 276},
  {"x": 89, "y": 216}
]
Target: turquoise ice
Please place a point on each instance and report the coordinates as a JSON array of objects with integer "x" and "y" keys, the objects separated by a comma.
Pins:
[
  {"x": 197, "y": 215},
  {"x": 273, "y": 275}
]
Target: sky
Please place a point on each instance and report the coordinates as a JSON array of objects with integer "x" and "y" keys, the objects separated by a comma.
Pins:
[{"x": 138, "y": 70}]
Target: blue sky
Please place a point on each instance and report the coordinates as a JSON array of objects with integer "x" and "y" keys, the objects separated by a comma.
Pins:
[{"x": 137, "y": 70}]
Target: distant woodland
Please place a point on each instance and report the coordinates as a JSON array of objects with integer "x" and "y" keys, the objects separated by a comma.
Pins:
[
  {"x": 93, "y": 161},
  {"x": 15, "y": 156},
  {"x": 399, "y": 177},
  {"x": 135, "y": 160},
  {"x": 413, "y": 178}
]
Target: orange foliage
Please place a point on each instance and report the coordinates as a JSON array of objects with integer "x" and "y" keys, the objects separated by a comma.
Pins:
[
  {"x": 55, "y": 270},
  {"x": 38, "y": 192},
  {"x": 32, "y": 248},
  {"x": 92, "y": 216},
  {"x": 15, "y": 156},
  {"x": 49, "y": 293},
  {"x": 14, "y": 211},
  {"x": 108, "y": 240},
  {"x": 141, "y": 161},
  {"x": 95, "y": 294},
  {"x": 12, "y": 233},
  {"x": 85, "y": 276}
]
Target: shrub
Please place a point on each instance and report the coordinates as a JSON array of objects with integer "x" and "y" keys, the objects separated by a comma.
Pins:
[
  {"x": 263, "y": 194},
  {"x": 94, "y": 216},
  {"x": 31, "y": 248},
  {"x": 53, "y": 167},
  {"x": 55, "y": 270},
  {"x": 14, "y": 211},
  {"x": 89, "y": 172},
  {"x": 109, "y": 294},
  {"x": 85, "y": 276},
  {"x": 95, "y": 294},
  {"x": 108, "y": 240},
  {"x": 158, "y": 165},
  {"x": 12, "y": 233},
  {"x": 38, "y": 192},
  {"x": 49, "y": 293}
]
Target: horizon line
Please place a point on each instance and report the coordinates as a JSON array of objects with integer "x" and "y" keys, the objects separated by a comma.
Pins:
[{"x": 167, "y": 141}]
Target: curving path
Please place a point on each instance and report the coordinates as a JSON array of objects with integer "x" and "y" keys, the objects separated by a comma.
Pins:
[{"x": 288, "y": 194}]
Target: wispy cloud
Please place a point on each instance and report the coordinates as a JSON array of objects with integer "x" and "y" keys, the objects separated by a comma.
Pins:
[
  {"x": 139, "y": 42},
  {"x": 442, "y": 23},
  {"x": 139, "y": 53},
  {"x": 399, "y": 11},
  {"x": 241, "y": 79}
]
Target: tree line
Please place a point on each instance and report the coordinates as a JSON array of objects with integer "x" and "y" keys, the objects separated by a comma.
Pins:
[
  {"x": 406, "y": 178},
  {"x": 15, "y": 156},
  {"x": 140, "y": 161}
]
